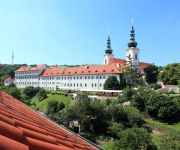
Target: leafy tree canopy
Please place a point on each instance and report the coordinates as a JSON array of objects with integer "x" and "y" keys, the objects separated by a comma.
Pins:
[
  {"x": 112, "y": 83},
  {"x": 134, "y": 139},
  {"x": 151, "y": 73},
  {"x": 170, "y": 74}
]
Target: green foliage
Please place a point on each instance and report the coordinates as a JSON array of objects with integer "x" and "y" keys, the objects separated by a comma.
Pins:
[
  {"x": 155, "y": 86},
  {"x": 114, "y": 128},
  {"x": 132, "y": 75},
  {"x": 151, "y": 73},
  {"x": 170, "y": 141},
  {"x": 170, "y": 74},
  {"x": 42, "y": 94},
  {"x": 134, "y": 139},
  {"x": 31, "y": 91},
  {"x": 128, "y": 116},
  {"x": 112, "y": 83},
  {"x": 133, "y": 116},
  {"x": 157, "y": 105},
  {"x": 98, "y": 116},
  {"x": 54, "y": 106},
  {"x": 8, "y": 70},
  {"x": 43, "y": 104},
  {"x": 140, "y": 98},
  {"x": 126, "y": 95},
  {"x": 14, "y": 92}
]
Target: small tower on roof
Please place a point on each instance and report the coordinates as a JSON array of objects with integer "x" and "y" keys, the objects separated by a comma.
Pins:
[
  {"x": 108, "y": 52},
  {"x": 132, "y": 53}
]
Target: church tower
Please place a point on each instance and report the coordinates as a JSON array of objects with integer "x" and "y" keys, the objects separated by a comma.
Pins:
[
  {"x": 132, "y": 53},
  {"x": 108, "y": 52}
]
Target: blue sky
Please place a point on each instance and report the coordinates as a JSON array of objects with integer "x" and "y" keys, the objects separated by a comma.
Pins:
[{"x": 75, "y": 31}]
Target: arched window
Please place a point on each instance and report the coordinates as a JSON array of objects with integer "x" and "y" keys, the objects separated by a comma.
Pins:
[{"x": 135, "y": 56}]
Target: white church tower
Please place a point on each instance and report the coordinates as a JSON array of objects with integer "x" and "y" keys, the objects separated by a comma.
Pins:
[
  {"x": 132, "y": 53},
  {"x": 108, "y": 52}
]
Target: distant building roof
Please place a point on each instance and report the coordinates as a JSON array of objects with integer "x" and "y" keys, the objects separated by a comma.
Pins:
[
  {"x": 81, "y": 70},
  {"x": 30, "y": 68},
  {"x": 21, "y": 128},
  {"x": 122, "y": 63},
  {"x": 9, "y": 79}
]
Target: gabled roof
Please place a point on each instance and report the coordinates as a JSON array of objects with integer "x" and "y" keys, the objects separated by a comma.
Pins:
[
  {"x": 81, "y": 70},
  {"x": 21, "y": 128},
  {"x": 29, "y": 68}
]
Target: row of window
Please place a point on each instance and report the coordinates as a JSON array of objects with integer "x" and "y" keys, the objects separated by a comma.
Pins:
[
  {"x": 26, "y": 72},
  {"x": 63, "y": 85},
  {"x": 63, "y": 77},
  {"x": 27, "y": 83},
  {"x": 27, "y": 77}
]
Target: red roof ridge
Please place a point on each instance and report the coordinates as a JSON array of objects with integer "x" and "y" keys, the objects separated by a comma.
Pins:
[{"x": 26, "y": 128}]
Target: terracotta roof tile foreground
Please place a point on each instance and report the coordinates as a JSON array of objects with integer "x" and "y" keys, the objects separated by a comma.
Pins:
[{"x": 23, "y": 129}]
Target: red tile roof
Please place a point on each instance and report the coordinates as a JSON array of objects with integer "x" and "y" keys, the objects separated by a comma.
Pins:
[
  {"x": 122, "y": 63},
  {"x": 23, "y": 129},
  {"x": 29, "y": 68},
  {"x": 83, "y": 70},
  {"x": 9, "y": 79}
]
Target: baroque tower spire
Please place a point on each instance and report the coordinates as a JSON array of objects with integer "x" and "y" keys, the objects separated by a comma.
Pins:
[
  {"x": 108, "y": 49},
  {"x": 132, "y": 42}
]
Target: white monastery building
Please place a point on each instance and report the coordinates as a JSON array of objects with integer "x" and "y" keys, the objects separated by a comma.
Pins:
[{"x": 84, "y": 77}]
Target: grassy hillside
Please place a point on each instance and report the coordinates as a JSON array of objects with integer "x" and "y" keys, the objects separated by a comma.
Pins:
[
  {"x": 42, "y": 105},
  {"x": 159, "y": 128}
]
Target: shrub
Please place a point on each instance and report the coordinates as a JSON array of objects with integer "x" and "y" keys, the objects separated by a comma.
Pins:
[
  {"x": 133, "y": 116},
  {"x": 114, "y": 128},
  {"x": 134, "y": 139},
  {"x": 170, "y": 141},
  {"x": 54, "y": 106},
  {"x": 42, "y": 95},
  {"x": 31, "y": 91},
  {"x": 126, "y": 95}
]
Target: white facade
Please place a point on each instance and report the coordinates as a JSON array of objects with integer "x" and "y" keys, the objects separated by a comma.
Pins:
[
  {"x": 132, "y": 54},
  {"x": 108, "y": 58},
  {"x": 28, "y": 78},
  {"x": 8, "y": 82},
  {"x": 72, "y": 82}
]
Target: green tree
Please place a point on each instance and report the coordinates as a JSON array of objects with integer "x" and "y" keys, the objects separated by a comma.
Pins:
[
  {"x": 132, "y": 74},
  {"x": 133, "y": 116},
  {"x": 140, "y": 97},
  {"x": 170, "y": 74},
  {"x": 13, "y": 91},
  {"x": 31, "y": 91},
  {"x": 151, "y": 73},
  {"x": 42, "y": 94},
  {"x": 134, "y": 139},
  {"x": 112, "y": 83},
  {"x": 54, "y": 106},
  {"x": 126, "y": 95},
  {"x": 114, "y": 128}
]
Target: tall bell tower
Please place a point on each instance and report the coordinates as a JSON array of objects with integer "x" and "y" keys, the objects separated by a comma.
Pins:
[
  {"x": 132, "y": 53},
  {"x": 108, "y": 52}
]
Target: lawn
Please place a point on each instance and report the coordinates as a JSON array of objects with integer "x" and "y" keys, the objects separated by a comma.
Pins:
[
  {"x": 42, "y": 105},
  {"x": 160, "y": 129},
  {"x": 162, "y": 126}
]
